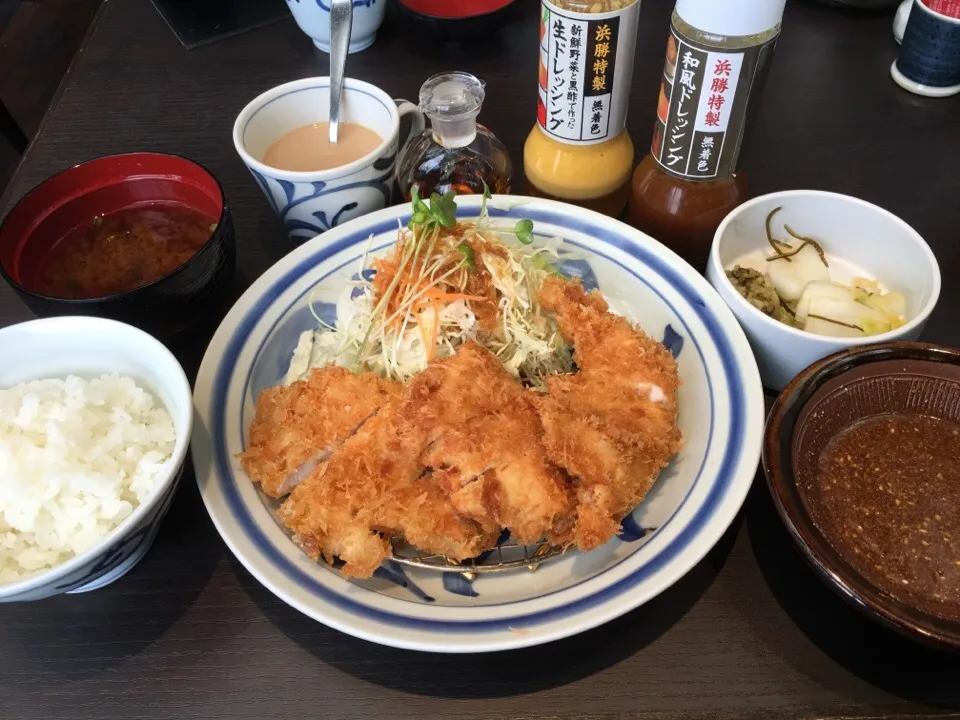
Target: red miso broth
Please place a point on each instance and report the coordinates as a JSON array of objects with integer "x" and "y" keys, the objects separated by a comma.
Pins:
[{"x": 123, "y": 250}]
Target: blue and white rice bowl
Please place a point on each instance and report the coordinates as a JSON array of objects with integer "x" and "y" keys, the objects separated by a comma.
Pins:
[
  {"x": 89, "y": 347},
  {"x": 696, "y": 498}
]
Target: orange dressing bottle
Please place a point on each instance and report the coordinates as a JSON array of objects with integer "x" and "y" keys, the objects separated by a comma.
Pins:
[
  {"x": 579, "y": 151},
  {"x": 717, "y": 59}
]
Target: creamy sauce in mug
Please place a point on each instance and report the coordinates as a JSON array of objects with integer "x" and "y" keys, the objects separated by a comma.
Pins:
[{"x": 308, "y": 148}]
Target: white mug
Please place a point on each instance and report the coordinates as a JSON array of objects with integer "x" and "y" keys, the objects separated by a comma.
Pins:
[
  {"x": 313, "y": 17},
  {"x": 309, "y": 203}
]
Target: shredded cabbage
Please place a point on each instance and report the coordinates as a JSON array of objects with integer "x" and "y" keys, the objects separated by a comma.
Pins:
[{"x": 365, "y": 338}]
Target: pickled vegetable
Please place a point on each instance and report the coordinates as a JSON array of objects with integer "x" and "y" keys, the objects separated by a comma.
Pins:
[
  {"x": 794, "y": 286},
  {"x": 804, "y": 267},
  {"x": 845, "y": 314},
  {"x": 759, "y": 291}
]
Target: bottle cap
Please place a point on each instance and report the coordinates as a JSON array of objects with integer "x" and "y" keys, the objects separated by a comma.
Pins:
[
  {"x": 731, "y": 19},
  {"x": 452, "y": 101}
]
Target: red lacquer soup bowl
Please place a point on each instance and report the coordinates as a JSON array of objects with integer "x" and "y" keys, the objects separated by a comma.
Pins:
[{"x": 145, "y": 238}]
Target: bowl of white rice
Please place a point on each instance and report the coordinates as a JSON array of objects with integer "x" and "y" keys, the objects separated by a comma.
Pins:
[{"x": 95, "y": 420}]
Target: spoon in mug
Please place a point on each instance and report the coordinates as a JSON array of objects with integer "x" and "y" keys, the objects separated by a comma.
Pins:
[{"x": 341, "y": 24}]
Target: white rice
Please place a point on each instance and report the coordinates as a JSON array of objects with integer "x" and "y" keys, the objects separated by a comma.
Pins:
[{"x": 76, "y": 458}]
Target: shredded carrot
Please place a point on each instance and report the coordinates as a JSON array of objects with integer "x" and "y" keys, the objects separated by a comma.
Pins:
[
  {"x": 433, "y": 298},
  {"x": 430, "y": 343},
  {"x": 435, "y": 328},
  {"x": 435, "y": 294},
  {"x": 410, "y": 289},
  {"x": 423, "y": 339}
]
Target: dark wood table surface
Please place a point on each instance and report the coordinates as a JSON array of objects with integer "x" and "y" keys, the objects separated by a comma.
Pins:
[{"x": 749, "y": 633}]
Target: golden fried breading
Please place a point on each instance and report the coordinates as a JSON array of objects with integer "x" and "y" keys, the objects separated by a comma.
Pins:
[
  {"x": 371, "y": 490},
  {"x": 612, "y": 425},
  {"x": 295, "y": 428},
  {"x": 497, "y": 473},
  {"x": 463, "y": 451},
  {"x": 607, "y": 344},
  {"x": 454, "y": 391},
  {"x": 374, "y": 486}
]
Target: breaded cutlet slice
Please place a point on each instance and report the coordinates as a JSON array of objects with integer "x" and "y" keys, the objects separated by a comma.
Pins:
[
  {"x": 497, "y": 473},
  {"x": 612, "y": 425},
  {"x": 483, "y": 448},
  {"x": 376, "y": 485},
  {"x": 296, "y": 428}
]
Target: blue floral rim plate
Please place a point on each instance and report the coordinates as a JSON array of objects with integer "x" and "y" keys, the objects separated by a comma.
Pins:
[{"x": 693, "y": 503}]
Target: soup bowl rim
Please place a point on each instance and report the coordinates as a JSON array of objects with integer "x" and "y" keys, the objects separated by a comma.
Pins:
[{"x": 49, "y": 209}]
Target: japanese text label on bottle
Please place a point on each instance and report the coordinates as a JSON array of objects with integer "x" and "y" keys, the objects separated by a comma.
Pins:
[
  {"x": 586, "y": 65},
  {"x": 707, "y": 98}
]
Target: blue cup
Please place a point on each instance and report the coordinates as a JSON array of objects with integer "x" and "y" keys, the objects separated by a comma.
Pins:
[{"x": 929, "y": 59}]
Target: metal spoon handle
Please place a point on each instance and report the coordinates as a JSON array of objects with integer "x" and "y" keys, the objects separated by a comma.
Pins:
[{"x": 341, "y": 24}]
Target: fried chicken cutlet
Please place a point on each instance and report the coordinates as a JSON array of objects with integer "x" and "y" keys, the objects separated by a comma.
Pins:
[
  {"x": 373, "y": 485},
  {"x": 613, "y": 425},
  {"x": 497, "y": 473},
  {"x": 296, "y": 428},
  {"x": 412, "y": 471}
]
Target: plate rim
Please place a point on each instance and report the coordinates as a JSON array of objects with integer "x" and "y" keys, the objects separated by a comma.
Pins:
[{"x": 739, "y": 359}]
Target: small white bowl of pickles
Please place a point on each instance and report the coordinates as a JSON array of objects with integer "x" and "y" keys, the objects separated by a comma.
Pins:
[{"x": 808, "y": 273}]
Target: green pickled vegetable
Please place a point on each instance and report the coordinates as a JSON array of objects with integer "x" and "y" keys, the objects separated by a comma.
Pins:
[{"x": 757, "y": 290}]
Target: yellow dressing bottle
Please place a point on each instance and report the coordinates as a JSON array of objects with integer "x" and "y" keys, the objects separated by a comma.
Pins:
[{"x": 579, "y": 151}]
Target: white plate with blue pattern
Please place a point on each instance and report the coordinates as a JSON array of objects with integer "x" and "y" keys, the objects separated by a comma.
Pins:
[{"x": 721, "y": 414}]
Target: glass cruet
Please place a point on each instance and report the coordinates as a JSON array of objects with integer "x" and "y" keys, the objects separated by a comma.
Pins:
[{"x": 455, "y": 152}]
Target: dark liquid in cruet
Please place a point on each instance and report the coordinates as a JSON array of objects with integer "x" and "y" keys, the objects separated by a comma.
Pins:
[{"x": 464, "y": 172}]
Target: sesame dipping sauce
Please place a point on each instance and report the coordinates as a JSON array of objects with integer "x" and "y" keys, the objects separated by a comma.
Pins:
[
  {"x": 861, "y": 455},
  {"x": 886, "y": 497}
]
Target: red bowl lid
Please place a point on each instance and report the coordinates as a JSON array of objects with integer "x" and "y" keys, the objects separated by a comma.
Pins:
[{"x": 455, "y": 9}]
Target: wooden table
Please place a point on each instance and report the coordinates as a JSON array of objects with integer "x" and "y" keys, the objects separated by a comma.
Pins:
[{"x": 750, "y": 633}]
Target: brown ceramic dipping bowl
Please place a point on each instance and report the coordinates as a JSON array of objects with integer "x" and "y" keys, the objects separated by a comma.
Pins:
[{"x": 836, "y": 394}]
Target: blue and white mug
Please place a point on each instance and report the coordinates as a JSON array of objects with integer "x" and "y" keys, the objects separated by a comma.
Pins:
[
  {"x": 929, "y": 59},
  {"x": 309, "y": 203},
  {"x": 313, "y": 17}
]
